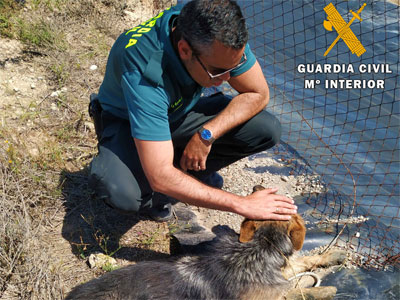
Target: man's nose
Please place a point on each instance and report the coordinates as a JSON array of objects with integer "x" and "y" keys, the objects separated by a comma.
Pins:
[{"x": 226, "y": 76}]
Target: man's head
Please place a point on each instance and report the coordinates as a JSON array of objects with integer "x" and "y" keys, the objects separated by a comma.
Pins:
[{"x": 213, "y": 36}]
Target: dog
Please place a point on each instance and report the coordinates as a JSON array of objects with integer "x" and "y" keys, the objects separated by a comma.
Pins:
[{"x": 244, "y": 266}]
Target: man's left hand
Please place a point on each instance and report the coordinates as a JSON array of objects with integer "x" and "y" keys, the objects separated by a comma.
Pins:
[{"x": 194, "y": 156}]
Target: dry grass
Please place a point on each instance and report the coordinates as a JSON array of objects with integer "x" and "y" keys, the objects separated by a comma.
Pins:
[{"x": 49, "y": 222}]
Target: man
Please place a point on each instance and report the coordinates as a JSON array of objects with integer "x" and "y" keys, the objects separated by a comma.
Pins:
[{"x": 159, "y": 139}]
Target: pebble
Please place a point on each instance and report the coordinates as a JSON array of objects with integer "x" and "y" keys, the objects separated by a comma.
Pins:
[
  {"x": 284, "y": 178},
  {"x": 93, "y": 67},
  {"x": 100, "y": 260},
  {"x": 33, "y": 86},
  {"x": 90, "y": 126},
  {"x": 55, "y": 94}
]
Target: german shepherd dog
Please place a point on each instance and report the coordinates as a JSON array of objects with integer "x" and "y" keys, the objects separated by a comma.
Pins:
[{"x": 245, "y": 266}]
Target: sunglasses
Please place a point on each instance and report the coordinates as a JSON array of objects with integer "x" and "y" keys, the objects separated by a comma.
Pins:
[{"x": 213, "y": 75}]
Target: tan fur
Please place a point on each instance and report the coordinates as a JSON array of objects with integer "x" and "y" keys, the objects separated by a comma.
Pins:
[
  {"x": 294, "y": 228},
  {"x": 262, "y": 294},
  {"x": 308, "y": 263},
  {"x": 296, "y": 231}
]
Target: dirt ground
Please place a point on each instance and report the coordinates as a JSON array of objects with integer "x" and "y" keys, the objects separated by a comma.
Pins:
[{"x": 52, "y": 56}]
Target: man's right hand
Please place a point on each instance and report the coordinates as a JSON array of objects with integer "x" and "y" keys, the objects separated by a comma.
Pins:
[
  {"x": 157, "y": 162},
  {"x": 267, "y": 205}
]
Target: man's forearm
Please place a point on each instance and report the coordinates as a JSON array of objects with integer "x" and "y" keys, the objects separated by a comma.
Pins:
[
  {"x": 175, "y": 183},
  {"x": 242, "y": 108}
]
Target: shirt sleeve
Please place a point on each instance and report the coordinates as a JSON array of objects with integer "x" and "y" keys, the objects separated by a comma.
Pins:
[
  {"x": 147, "y": 108},
  {"x": 251, "y": 60}
]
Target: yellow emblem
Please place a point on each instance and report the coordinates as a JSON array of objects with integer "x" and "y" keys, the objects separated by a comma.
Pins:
[{"x": 343, "y": 29}]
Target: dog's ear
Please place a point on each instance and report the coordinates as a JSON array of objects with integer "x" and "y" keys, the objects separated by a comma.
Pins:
[
  {"x": 297, "y": 231},
  {"x": 257, "y": 188},
  {"x": 247, "y": 230}
]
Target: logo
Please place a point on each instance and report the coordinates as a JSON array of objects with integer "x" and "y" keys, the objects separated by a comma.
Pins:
[{"x": 343, "y": 29}]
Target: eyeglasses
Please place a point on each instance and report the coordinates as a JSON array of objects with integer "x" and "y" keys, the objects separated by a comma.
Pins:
[{"x": 218, "y": 74}]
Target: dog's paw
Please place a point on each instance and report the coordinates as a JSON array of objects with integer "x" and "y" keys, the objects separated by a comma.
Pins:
[
  {"x": 333, "y": 257},
  {"x": 315, "y": 293}
]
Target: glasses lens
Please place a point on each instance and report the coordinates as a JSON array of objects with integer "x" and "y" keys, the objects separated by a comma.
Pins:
[{"x": 220, "y": 73}]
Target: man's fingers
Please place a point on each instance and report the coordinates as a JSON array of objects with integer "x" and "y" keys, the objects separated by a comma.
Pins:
[
  {"x": 270, "y": 191},
  {"x": 280, "y": 217},
  {"x": 203, "y": 165},
  {"x": 285, "y": 211},
  {"x": 183, "y": 163},
  {"x": 284, "y": 199}
]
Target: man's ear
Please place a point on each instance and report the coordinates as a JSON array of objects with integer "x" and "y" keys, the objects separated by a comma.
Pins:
[
  {"x": 247, "y": 230},
  {"x": 184, "y": 49},
  {"x": 297, "y": 231}
]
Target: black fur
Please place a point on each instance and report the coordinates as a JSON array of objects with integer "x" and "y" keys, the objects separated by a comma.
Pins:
[{"x": 230, "y": 270}]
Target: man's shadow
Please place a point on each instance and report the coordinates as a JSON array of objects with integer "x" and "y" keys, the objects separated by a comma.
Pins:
[{"x": 90, "y": 226}]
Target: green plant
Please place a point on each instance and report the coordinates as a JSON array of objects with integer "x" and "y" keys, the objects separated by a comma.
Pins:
[
  {"x": 102, "y": 241},
  {"x": 8, "y": 9},
  {"x": 151, "y": 239},
  {"x": 60, "y": 72},
  {"x": 100, "y": 238},
  {"x": 109, "y": 267},
  {"x": 39, "y": 34}
]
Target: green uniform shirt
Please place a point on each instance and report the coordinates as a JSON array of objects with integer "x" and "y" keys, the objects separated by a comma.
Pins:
[{"x": 146, "y": 82}]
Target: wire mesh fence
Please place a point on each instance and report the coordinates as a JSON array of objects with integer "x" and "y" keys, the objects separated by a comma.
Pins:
[
  {"x": 333, "y": 72},
  {"x": 339, "y": 112}
]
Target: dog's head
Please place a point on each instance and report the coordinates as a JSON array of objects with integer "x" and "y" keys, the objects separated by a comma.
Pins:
[{"x": 294, "y": 228}]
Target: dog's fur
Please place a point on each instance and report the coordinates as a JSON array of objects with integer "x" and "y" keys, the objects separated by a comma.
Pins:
[{"x": 248, "y": 267}]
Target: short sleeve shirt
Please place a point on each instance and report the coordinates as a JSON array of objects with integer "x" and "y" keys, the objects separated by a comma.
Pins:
[{"x": 146, "y": 83}]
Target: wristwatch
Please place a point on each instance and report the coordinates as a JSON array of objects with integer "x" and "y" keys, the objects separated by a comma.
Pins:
[{"x": 206, "y": 135}]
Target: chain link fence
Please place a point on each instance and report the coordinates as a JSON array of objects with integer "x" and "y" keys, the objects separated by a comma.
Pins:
[
  {"x": 333, "y": 71},
  {"x": 339, "y": 112}
]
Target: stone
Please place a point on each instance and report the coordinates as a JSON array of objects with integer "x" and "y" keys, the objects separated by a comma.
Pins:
[{"x": 100, "y": 260}]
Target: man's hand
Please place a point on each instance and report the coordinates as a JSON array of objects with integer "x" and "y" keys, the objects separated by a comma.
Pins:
[
  {"x": 194, "y": 156},
  {"x": 267, "y": 205}
]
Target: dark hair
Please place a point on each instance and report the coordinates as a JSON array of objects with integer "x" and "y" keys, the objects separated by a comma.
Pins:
[{"x": 203, "y": 21}]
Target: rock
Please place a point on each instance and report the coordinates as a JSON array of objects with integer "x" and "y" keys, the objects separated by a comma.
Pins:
[
  {"x": 90, "y": 126},
  {"x": 130, "y": 15},
  {"x": 93, "y": 68},
  {"x": 34, "y": 152},
  {"x": 100, "y": 260},
  {"x": 10, "y": 49},
  {"x": 55, "y": 94}
]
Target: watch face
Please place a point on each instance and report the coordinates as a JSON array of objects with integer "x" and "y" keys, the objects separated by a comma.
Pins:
[{"x": 206, "y": 134}]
